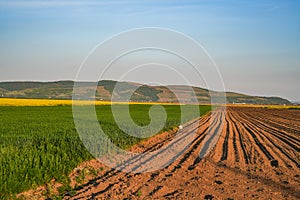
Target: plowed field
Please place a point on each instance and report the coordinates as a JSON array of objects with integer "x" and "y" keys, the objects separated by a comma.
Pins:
[{"x": 256, "y": 157}]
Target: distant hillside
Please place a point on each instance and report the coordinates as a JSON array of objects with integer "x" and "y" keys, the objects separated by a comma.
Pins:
[
  {"x": 64, "y": 89},
  {"x": 296, "y": 102}
]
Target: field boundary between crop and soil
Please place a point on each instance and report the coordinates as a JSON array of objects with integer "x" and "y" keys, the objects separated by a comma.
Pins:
[{"x": 152, "y": 143}]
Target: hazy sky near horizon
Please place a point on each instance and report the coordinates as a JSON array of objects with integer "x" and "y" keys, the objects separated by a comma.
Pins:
[{"x": 256, "y": 44}]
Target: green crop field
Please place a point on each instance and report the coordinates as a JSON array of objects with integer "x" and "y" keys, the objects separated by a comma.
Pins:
[{"x": 40, "y": 143}]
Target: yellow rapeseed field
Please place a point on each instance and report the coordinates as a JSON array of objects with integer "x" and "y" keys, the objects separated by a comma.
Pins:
[
  {"x": 283, "y": 106},
  {"x": 52, "y": 102},
  {"x": 45, "y": 102},
  {"x": 264, "y": 106}
]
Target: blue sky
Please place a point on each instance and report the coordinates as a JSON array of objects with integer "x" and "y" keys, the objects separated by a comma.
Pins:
[{"x": 256, "y": 44}]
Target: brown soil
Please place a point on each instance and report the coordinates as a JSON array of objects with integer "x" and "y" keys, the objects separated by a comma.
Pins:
[{"x": 256, "y": 157}]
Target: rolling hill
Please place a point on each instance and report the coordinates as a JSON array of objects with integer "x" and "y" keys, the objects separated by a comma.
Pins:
[{"x": 64, "y": 90}]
